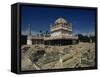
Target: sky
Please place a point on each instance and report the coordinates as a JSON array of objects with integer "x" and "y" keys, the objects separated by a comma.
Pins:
[{"x": 40, "y": 18}]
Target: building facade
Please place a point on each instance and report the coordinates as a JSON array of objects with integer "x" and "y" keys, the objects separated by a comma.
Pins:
[
  {"x": 61, "y": 28},
  {"x": 60, "y": 34}
]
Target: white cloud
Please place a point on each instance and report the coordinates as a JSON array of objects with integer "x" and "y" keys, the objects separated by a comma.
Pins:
[
  {"x": 89, "y": 34},
  {"x": 25, "y": 32},
  {"x": 84, "y": 33}
]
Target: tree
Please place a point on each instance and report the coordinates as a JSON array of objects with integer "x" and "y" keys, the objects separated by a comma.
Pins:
[
  {"x": 46, "y": 33},
  {"x": 40, "y": 32}
]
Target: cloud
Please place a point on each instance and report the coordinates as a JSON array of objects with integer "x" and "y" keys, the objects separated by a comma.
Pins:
[
  {"x": 25, "y": 32},
  {"x": 76, "y": 32},
  {"x": 84, "y": 33},
  {"x": 35, "y": 33},
  {"x": 89, "y": 34}
]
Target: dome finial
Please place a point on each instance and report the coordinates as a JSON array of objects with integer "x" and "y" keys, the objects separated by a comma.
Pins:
[{"x": 61, "y": 20}]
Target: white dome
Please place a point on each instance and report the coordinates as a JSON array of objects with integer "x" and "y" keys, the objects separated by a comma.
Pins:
[{"x": 61, "y": 20}]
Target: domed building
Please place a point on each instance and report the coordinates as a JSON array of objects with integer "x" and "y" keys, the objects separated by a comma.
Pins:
[
  {"x": 61, "y": 20},
  {"x": 61, "y": 27},
  {"x": 60, "y": 34}
]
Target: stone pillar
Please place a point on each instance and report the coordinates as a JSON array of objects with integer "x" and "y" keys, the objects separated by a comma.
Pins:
[
  {"x": 29, "y": 42},
  {"x": 60, "y": 60},
  {"x": 29, "y": 36}
]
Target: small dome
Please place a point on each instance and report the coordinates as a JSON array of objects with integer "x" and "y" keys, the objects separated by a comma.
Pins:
[{"x": 61, "y": 20}]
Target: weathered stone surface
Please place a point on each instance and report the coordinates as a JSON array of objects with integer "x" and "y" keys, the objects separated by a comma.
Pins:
[{"x": 55, "y": 57}]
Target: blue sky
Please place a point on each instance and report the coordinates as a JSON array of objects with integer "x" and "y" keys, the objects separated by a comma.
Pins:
[{"x": 40, "y": 18}]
